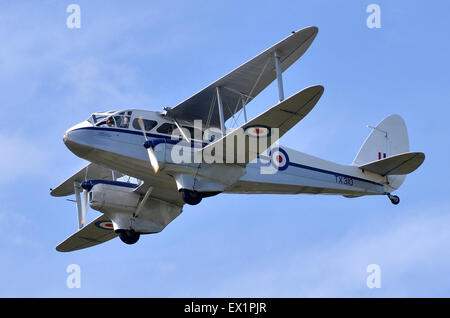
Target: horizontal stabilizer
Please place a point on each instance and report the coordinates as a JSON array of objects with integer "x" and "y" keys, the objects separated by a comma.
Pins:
[
  {"x": 400, "y": 164},
  {"x": 98, "y": 231}
]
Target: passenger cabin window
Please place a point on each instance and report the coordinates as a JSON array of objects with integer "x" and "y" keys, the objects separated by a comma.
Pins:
[
  {"x": 148, "y": 124},
  {"x": 194, "y": 133},
  {"x": 166, "y": 128}
]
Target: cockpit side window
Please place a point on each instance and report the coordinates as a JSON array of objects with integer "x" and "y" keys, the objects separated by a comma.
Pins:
[
  {"x": 148, "y": 124},
  {"x": 110, "y": 121},
  {"x": 98, "y": 120},
  {"x": 119, "y": 120},
  {"x": 123, "y": 119}
]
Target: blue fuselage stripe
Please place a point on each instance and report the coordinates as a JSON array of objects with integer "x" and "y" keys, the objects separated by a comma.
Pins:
[
  {"x": 331, "y": 172},
  {"x": 168, "y": 139}
]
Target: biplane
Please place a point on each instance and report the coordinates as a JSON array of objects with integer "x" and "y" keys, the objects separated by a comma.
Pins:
[{"x": 146, "y": 165}]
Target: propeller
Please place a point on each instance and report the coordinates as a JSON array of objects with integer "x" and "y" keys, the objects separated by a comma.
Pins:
[
  {"x": 82, "y": 203},
  {"x": 150, "y": 151},
  {"x": 86, "y": 186},
  {"x": 77, "y": 189}
]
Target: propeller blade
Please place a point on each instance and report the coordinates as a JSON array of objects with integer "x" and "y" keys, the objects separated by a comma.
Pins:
[
  {"x": 141, "y": 125},
  {"x": 153, "y": 159},
  {"x": 79, "y": 204},
  {"x": 84, "y": 207},
  {"x": 151, "y": 153}
]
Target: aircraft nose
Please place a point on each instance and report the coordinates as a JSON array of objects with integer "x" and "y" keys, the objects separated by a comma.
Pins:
[
  {"x": 69, "y": 134},
  {"x": 76, "y": 140},
  {"x": 69, "y": 139},
  {"x": 65, "y": 137}
]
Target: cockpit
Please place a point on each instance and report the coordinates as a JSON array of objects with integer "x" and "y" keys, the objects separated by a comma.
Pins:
[
  {"x": 119, "y": 119},
  {"x": 126, "y": 120},
  {"x": 111, "y": 119}
]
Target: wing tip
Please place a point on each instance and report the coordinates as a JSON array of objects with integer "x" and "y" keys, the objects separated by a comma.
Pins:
[
  {"x": 61, "y": 249},
  {"x": 313, "y": 29},
  {"x": 316, "y": 89},
  {"x": 306, "y": 35},
  {"x": 421, "y": 156}
]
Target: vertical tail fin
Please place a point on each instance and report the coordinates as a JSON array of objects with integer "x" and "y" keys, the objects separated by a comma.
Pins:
[{"x": 388, "y": 138}]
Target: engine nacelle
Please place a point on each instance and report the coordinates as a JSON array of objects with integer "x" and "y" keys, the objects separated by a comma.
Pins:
[
  {"x": 113, "y": 198},
  {"x": 119, "y": 202}
]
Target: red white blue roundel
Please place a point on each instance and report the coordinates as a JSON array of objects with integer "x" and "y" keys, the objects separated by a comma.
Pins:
[
  {"x": 106, "y": 225},
  {"x": 257, "y": 131},
  {"x": 279, "y": 159}
]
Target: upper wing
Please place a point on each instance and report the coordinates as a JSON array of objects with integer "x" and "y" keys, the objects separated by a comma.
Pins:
[
  {"x": 396, "y": 165},
  {"x": 98, "y": 231},
  {"x": 92, "y": 171},
  {"x": 283, "y": 116},
  {"x": 248, "y": 80}
]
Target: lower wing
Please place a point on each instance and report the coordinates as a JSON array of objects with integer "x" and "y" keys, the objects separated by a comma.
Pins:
[{"x": 98, "y": 231}]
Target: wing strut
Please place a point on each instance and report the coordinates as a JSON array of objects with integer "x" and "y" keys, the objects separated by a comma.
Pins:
[
  {"x": 279, "y": 76},
  {"x": 248, "y": 79},
  {"x": 279, "y": 73},
  {"x": 221, "y": 116},
  {"x": 243, "y": 107}
]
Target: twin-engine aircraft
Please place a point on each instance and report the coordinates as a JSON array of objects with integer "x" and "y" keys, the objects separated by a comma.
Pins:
[{"x": 186, "y": 153}]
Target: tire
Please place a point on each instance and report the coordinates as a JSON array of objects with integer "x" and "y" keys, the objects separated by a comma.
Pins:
[
  {"x": 129, "y": 237},
  {"x": 191, "y": 197},
  {"x": 395, "y": 200}
]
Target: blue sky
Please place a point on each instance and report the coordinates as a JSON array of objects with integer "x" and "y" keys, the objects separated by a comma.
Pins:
[{"x": 153, "y": 54}]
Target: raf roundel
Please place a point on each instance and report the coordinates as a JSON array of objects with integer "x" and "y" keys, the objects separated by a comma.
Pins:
[
  {"x": 279, "y": 159},
  {"x": 106, "y": 225},
  {"x": 257, "y": 131}
]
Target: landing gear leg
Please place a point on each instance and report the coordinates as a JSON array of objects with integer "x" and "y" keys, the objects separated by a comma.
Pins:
[{"x": 394, "y": 199}]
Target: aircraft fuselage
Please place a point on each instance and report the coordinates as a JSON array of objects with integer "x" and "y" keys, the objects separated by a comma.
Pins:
[{"x": 122, "y": 149}]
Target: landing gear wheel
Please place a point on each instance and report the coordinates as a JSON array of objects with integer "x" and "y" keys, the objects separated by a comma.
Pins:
[
  {"x": 191, "y": 197},
  {"x": 128, "y": 236},
  {"x": 394, "y": 199}
]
